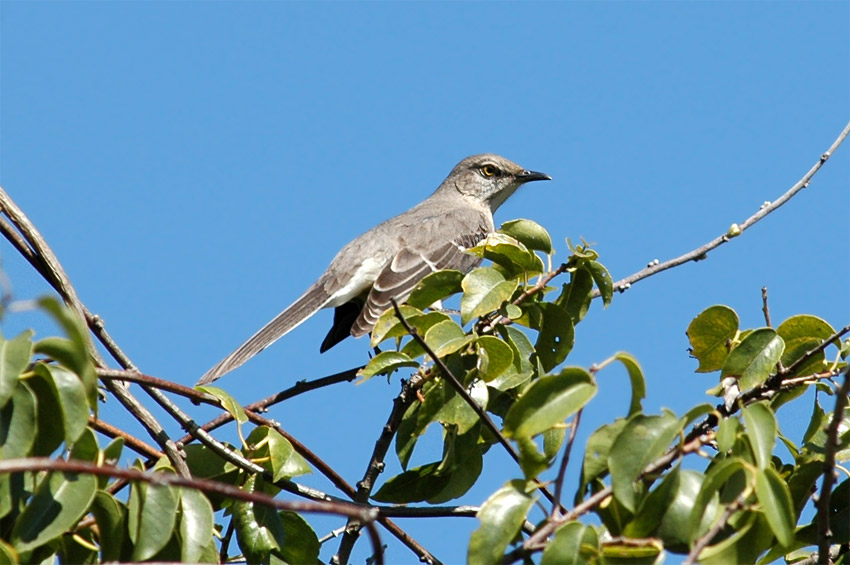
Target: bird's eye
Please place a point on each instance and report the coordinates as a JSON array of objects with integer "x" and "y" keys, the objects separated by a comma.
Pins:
[{"x": 489, "y": 171}]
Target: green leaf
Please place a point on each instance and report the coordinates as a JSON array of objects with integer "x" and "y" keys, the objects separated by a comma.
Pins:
[
  {"x": 50, "y": 430},
  {"x": 573, "y": 543},
  {"x": 111, "y": 518},
  {"x": 71, "y": 396},
  {"x": 548, "y": 401},
  {"x": 455, "y": 410},
  {"x": 773, "y": 495},
  {"x": 276, "y": 454},
  {"x": 596, "y": 453},
  {"x": 636, "y": 378},
  {"x": 761, "y": 431},
  {"x": 259, "y": 529},
  {"x": 603, "y": 281},
  {"x": 434, "y": 287},
  {"x": 301, "y": 543},
  {"x": 389, "y": 326},
  {"x": 716, "y": 477},
  {"x": 576, "y": 296},
  {"x": 494, "y": 357},
  {"x": 750, "y": 538},
  {"x": 501, "y": 517},
  {"x": 509, "y": 254},
  {"x": 709, "y": 333},
  {"x": 522, "y": 351},
  {"x": 484, "y": 291},
  {"x": 14, "y": 357},
  {"x": 18, "y": 424},
  {"x": 154, "y": 522},
  {"x": 665, "y": 512},
  {"x": 644, "y": 439},
  {"x": 802, "y": 334},
  {"x": 531, "y": 461},
  {"x": 727, "y": 434},
  {"x": 446, "y": 337},
  {"x": 76, "y": 358},
  {"x": 60, "y": 500},
  {"x": 755, "y": 358},
  {"x": 196, "y": 524},
  {"x": 556, "y": 337},
  {"x": 386, "y": 362},
  {"x": 529, "y": 233},
  {"x": 229, "y": 403}
]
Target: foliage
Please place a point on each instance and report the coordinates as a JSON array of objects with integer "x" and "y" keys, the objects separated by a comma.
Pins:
[{"x": 508, "y": 352}]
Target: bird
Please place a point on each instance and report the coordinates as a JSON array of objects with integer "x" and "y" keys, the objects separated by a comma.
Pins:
[{"x": 386, "y": 262}]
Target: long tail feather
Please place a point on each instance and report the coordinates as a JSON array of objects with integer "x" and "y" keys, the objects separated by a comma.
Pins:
[{"x": 309, "y": 303}]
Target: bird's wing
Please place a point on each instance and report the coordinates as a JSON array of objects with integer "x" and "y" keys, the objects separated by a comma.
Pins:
[
  {"x": 315, "y": 298},
  {"x": 409, "y": 266}
]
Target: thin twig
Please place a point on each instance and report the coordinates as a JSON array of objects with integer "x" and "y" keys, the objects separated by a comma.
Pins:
[
  {"x": 764, "y": 308},
  {"x": 829, "y": 478},
  {"x": 789, "y": 370},
  {"x": 702, "y": 252},
  {"x": 562, "y": 470}
]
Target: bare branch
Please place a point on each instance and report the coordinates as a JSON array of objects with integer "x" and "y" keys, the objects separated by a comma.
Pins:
[
  {"x": 562, "y": 470},
  {"x": 702, "y": 252}
]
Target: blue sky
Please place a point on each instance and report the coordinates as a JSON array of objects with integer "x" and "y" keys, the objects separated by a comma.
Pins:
[{"x": 195, "y": 166}]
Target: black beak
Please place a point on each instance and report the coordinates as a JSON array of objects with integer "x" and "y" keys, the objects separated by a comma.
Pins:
[{"x": 528, "y": 176}]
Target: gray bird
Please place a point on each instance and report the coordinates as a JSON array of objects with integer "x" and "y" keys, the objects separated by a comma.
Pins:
[{"x": 389, "y": 260}]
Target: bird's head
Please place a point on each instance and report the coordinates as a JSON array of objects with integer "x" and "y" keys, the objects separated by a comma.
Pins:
[{"x": 489, "y": 178}]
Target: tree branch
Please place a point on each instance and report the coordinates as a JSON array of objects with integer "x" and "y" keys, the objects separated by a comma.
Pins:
[
  {"x": 829, "y": 478},
  {"x": 701, "y": 253}
]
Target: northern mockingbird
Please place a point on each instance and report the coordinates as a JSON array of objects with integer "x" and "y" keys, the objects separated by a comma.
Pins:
[{"x": 388, "y": 261}]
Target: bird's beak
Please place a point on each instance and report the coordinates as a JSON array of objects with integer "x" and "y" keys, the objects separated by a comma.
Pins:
[{"x": 528, "y": 176}]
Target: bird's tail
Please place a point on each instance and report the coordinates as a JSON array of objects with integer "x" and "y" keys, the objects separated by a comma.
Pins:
[{"x": 311, "y": 301}]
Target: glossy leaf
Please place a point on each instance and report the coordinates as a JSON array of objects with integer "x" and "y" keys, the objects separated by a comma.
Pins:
[
  {"x": 494, "y": 357},
  {"x": 598, "y": 447},
  {"x": 276, "y": 454},
  {"x": 389, "y": 326},
  {"x": 576, "y": 296},
  {"x": 522, "y": 369},
  {"x": 727, "y": 433},
  {"x": 50, "y": 430},
  {"x": 14, "y": 357},
  {"x": 761, "y": 431},
  {"x": 446, "y": 337},
  {"x": 603, "y": 281},
  {"x": 549, "y": 401},
  {"x": 60, "y": 500},
  {"x": 434, "y": 287},
  {"x": 71, "y": 396},
  {"x": 773, "y": 495},
  {"x": 716, "y": 477},
  {"x": 18, "y": 424},
  {"x": 509, "y": 254},
  {"x": 573, "y": 543},
  {"x": 259, "y": 529},
  {"x": 501, "y": 517},
  {"x": 636, "y": 378},
  {"x": 229, "y": 403},
  {"x": 301, "y": 545},
  {"x": 529, "y": 233},
  {"x": 556, "y": 336},
  {"x": 709, "y": 334},
  {"x": 750, "y": 538},
  {"x": 152, "y": 523},
  {"x": 196, "y": 524},
  {"x": 644, "y": 439},
  {"x": 484, "y": 291},
  {"x": 386, "y": 362},
  {"x": 755, "y": 358},
  {"x": 111, "y": 517}
]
